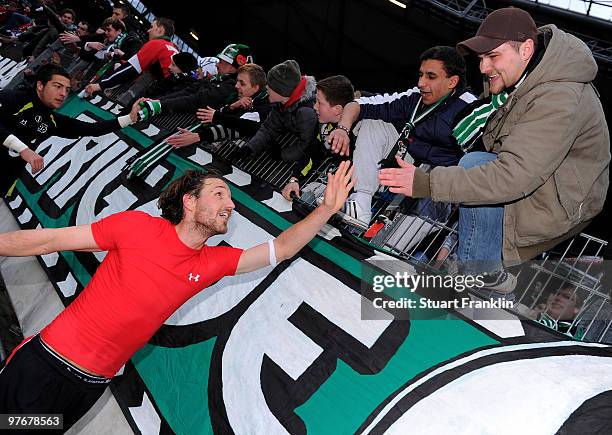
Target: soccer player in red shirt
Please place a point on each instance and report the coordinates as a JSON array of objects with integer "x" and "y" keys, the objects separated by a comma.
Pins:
[{"x": 153, "y": 265}]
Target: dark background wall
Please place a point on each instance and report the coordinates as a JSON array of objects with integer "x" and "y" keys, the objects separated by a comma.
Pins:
[{"x": 373, "y": 42}]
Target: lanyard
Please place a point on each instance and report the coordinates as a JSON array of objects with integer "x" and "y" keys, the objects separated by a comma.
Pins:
[{"x": 402, "y": 142}]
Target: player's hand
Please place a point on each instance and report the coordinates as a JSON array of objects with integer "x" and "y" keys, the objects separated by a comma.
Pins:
[{"x": 34, "y": 159}]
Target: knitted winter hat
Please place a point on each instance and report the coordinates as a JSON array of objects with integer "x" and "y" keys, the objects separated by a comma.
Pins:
[
  {"x": 284, "y": 77},
  {"x": 236, "y": 55},
  {"x": 185, "y": 61}
]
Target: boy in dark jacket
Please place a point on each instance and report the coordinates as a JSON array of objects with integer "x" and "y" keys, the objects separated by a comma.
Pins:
[
  {"x": 293, "y": 96},
  {"x": 333, "y": 93}
]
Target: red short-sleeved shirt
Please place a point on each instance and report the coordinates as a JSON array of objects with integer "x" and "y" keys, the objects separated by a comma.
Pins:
[{"x": 147, "y": 274}]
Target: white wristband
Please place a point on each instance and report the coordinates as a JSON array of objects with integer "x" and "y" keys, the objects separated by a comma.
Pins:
[
  {"x": 12, "y": 142},
  {"x": 272, "y": 252},
  {"x": 125, "y": 120}
]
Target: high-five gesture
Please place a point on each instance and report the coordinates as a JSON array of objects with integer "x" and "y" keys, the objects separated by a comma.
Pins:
[{"x": 294, "y": 238}]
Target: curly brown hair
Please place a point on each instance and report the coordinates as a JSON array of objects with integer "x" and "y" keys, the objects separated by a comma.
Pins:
[{"x": 170, "y": 201}]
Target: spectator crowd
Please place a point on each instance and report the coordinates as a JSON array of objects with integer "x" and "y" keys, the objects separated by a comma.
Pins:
[{"x": 526, "y": 161}]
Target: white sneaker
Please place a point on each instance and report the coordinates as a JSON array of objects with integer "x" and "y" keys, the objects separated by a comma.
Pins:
[
  {"x": 501, "y": 282},
  {"x": 352, "y": 214},
  {"x": 313, "y": 192}
]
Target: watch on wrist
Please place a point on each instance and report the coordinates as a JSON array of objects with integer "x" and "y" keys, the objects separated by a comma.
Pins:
[{"x": 293, "y": 180}]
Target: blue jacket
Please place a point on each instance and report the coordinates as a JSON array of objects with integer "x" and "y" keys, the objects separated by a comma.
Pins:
[{"x": 431, "y": 141}]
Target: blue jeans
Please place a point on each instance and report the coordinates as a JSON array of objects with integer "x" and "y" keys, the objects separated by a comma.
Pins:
[
  {"x": 15, "y": 20},
  {"x": 480, "y": 228}
]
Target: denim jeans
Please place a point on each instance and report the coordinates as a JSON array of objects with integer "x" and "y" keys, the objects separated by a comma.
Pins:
[
  {"x": 15, "y": 20},
  {"x": 480, "y": 228}
]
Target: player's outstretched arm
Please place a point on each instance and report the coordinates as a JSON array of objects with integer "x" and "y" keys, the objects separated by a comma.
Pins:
[
  {"x": 294, "y": 238},
  {"x": 45, "y": 240}
]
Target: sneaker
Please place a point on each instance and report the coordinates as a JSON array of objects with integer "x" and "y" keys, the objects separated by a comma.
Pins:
[
  {"x": 312, "y": 193},
  {"x": 352, "y": 214},
  {"x": 501, "y": 282}
]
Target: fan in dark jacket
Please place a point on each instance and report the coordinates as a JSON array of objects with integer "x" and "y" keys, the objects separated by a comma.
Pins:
[
  {"x": 294, "y": 97},
  {"x": 118, "y": 45},
  {"x": 241, "y": 118}
]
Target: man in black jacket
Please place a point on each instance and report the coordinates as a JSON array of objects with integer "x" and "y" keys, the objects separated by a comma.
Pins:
[
  {"x": 241, "y": 118},
  {"x": 118, "y": 45},
  {"x": 28, "y": 118}
]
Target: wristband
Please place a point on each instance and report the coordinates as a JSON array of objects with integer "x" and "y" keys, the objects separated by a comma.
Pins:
[
  {"x": 343, "y": 128},
  {"x": 272, "y": 252},
  {"x": 12, "y": 142},
  {"x": 125, "y": 120},
  {"x": 293, "y": 180}
]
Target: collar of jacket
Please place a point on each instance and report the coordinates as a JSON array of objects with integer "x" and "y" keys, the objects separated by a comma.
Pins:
[
  {"x": 37, "y": 102},
  {"x": 223, "y": 77},
  {"x": 261, "y": 95},
  {"x": 167, "y": 38}
]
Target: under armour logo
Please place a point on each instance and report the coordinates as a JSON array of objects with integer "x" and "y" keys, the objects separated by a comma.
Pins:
[{"x": 193, "y": 277}]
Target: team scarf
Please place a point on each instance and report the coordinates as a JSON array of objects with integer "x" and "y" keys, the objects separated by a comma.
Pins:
[
  {"x": 297, "y": 94},
  {"x": 471, "y": 127}
]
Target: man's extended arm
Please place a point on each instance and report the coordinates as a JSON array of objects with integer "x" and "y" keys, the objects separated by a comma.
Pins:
[
  {"x": 43, "y": 241},
  {"x": 294, "y": 238},
  {"x": 73, "y": 128}
]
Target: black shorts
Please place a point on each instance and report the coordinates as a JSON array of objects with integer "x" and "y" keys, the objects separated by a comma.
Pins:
[{"x": 35, "y": 380}]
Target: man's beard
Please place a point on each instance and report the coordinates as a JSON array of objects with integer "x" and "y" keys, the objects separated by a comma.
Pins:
[{"x": 210, "y": 228}]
